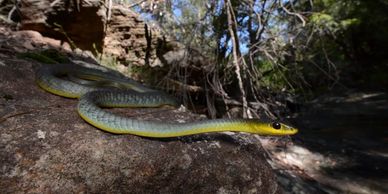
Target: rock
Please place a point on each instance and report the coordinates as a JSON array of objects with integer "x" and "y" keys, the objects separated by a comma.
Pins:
[
  {"x": 127, "y": 37},
  {"x": 82, "y": 24},
  {"x": 131, "y": 40},
  {"x": 45, "y": 147}
]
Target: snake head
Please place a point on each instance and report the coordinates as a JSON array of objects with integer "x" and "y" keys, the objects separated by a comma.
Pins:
[{"x": 275, "y": 128}]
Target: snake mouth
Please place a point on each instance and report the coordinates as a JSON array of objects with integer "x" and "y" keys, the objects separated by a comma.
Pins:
[{"x": 290, "y": 130}]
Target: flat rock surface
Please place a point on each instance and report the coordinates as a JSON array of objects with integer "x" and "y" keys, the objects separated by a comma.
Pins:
[{"x": 45, "y": 147}]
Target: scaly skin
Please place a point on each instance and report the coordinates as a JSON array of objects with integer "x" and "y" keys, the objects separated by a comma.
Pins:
[{"x": 93, "y": 97}]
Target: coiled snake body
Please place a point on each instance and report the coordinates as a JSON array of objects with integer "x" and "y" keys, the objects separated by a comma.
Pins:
[{"x": 93, "y": 88}]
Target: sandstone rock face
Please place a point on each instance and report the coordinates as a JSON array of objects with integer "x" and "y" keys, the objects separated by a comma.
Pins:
[
  {"x": 124, "y": 35},
  {"x": 45, "y": 147},
  {"x": 131, "y": 40},
  {"x": 80, "y": 22}
]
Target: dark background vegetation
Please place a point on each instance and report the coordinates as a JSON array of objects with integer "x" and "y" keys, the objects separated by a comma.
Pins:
[
  {"x": 298, "y": 45},
  {"x": 262, "y": 48}
]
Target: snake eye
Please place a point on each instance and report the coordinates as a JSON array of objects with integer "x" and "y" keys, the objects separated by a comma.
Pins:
[{"x": 276, "y": 125}]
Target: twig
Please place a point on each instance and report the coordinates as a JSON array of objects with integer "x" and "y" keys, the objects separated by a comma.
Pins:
[
  {"x": 54, "y": 2},
  {"x": 4, "y": 118},
  {"x": 293, "y": 13},
  {"x": 236, "y": 54},
  {"x": 184, "y": 86},
  {"x": 9, "y": 18},
  {"x": 136, "y": 3},
  {"x": 109, "y": 10}
]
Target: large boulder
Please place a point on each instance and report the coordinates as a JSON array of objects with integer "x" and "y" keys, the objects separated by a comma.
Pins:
[
  {"x": 89, "y": 25},
  {"x": 81, "y": 23},
  {"x": 45, "y": 147},
  {"x": 131, "y": 40}
]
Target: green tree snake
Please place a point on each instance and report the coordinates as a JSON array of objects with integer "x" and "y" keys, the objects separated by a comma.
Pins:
[{"x": 94, "y": 89}]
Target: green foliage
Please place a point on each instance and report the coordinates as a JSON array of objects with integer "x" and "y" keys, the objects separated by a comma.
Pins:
[
  {"x": 322, "y": 21},
  {"x": 272, "y": 76},
  {"x": 347, "y": 23},
  {"x": 49, "y": 56},
  {"x": 108, "y": 61},
  {"x": 148, "y": 74},
  {"x": 60, "y": 29},
  {"x": 350, "y": 37}
]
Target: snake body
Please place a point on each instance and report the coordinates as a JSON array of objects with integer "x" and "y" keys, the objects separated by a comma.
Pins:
[{"x": 56, "y": 79}]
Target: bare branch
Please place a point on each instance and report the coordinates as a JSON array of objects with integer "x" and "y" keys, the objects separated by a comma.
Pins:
[
  {"x": 293, "y": 13},
  {"x": 109, "y": 10},
  {"x": 136, "y": 3},
  {"x": 236, "y": 53}
]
